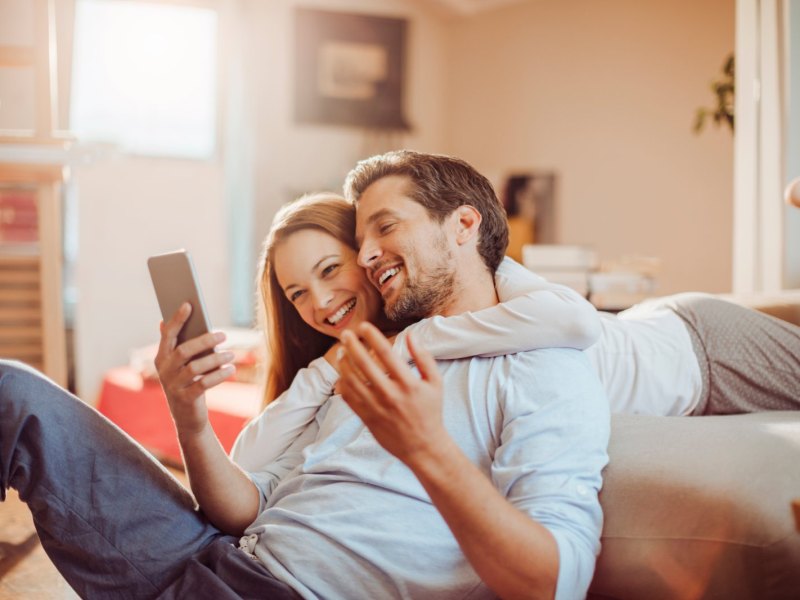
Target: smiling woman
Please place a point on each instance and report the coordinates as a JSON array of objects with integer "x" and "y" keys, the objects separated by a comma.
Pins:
[{"x": 311, "y": 286}]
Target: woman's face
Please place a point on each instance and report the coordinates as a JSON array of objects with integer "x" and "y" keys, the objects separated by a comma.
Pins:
[{"x": 320, "y": 277}]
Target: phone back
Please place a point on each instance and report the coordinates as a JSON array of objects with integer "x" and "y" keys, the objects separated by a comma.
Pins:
[{"x": 175, "y": 282}]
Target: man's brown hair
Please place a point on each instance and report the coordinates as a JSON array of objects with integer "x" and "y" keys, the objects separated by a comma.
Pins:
[{"x": 441, "y": 184}]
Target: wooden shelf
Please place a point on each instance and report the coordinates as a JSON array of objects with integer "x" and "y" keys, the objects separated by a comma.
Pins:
[{"x": 32, "y": 325}]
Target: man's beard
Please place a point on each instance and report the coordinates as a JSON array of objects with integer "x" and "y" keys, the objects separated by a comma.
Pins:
[{"x": 429, "y": 293}]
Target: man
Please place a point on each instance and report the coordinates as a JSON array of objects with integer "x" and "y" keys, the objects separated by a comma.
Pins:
[{"x": 431, "y": 234}]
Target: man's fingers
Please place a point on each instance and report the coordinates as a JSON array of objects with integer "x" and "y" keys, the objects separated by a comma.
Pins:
[
  {"x": 390, "y": 361},
  {"x": 359, "y": 396},
  {"x": 349, "y": 372},
  {"x": 361, "y": 359},
  {"x": 426, "y": 364}
]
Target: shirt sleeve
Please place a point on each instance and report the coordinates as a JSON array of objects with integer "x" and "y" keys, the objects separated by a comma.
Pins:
[
  {"x": 269, "y": 435},
  {"x": 269, "y": 475},
  {"x": 551, "y": 453},
  {"x": 533, "y": 313}
]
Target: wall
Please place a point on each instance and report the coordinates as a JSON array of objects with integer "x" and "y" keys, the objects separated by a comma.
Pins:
[
  {"x": 130, "y": 208},
  {"x": 605, "y": 94},
  {"x": 292, "y": 158}
]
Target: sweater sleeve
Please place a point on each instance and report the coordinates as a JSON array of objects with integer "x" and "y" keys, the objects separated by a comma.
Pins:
[
  {"x": 269, "y": 435},
  {"x": 533, "y": 313}
]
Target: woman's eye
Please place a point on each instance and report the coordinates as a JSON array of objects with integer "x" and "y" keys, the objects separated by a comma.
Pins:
[
  {"x": 329, "y": 269},
  {"x": 295, "y": 295}
]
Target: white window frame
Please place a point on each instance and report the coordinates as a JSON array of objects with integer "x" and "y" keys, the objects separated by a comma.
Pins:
[{"x": 762, "y": 255}]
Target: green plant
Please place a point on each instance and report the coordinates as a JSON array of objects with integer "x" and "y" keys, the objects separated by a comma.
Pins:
[{"x": 723, "y": 88}]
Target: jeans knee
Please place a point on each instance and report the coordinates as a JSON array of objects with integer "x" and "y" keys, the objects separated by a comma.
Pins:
[
  {"x": 21, "y": 384},
  {"x": 12, "y": 366}
]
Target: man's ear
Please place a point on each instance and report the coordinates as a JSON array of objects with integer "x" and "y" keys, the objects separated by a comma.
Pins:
[{"x": 468, "y": 221}]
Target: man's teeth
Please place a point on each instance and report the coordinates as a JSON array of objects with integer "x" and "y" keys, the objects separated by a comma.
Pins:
[
  {"x": 388, "y": 273},
  {"x": 339, "y": 314}
]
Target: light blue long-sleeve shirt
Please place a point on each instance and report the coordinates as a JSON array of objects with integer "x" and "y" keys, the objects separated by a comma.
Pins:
[{"x": 342, "y": 518}]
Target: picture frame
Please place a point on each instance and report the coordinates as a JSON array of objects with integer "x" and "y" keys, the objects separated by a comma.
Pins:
[{"x": 349, "y": 69}]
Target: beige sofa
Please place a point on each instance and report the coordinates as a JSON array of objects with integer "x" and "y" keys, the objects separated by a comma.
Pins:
[{"x": 701, "y": 507}]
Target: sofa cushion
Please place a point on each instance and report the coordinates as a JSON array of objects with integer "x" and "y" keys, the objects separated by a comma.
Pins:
[
  {"x": 783, "y": 305},
  {"x": 701, "y": 508}
]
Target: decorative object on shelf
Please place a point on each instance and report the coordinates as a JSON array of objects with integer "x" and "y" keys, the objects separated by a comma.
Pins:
[
  {"x": 529, "y": 200},
  {"x": 19, "y": 221},
  {"x": 349, "y": 69},
  {"x": 611, "y": 285},
  {"x": 723, "y": 88},
  {"x": 621, "y": 283}
]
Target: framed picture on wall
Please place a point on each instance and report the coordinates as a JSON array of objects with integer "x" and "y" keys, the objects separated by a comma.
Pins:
[{"x": 349, "y": 69}]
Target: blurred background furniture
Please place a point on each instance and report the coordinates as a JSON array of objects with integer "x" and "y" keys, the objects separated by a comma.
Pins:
[
  {"x": 138, "y": 405},
  {"x": 32, "y": 325},
  {"x": 609, "y": 285},
  {"x": 31, "y": 303}
]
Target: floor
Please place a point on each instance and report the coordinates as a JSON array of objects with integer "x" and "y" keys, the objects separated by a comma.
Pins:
[{"x": 25, "y": 571}]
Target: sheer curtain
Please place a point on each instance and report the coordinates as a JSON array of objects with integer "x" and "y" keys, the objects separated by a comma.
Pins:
[{"x": 765, "y": 253}]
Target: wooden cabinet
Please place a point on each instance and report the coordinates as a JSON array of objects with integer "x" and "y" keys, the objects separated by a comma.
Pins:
[
  {"x": 31, "y": 299},
  {"x": 32, "y": 325}
]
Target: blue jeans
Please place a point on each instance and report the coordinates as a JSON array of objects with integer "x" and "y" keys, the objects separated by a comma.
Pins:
[{"x": 114, "y": 522}]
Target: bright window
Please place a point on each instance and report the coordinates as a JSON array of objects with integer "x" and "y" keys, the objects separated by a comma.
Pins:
[{"x": 144, "y": 77}]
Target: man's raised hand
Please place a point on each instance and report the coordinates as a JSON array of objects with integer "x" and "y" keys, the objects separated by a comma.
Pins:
[{"x": 402, "y": 410}]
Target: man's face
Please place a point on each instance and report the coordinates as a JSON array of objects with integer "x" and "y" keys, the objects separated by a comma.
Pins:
[{"x": 406, "y": 254}]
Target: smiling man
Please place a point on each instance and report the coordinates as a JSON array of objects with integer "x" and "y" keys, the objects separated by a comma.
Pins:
[{"x": 509, "y": 449}]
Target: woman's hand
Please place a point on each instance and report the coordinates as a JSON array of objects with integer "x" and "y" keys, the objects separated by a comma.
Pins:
[{"x": 185, "y": 377}]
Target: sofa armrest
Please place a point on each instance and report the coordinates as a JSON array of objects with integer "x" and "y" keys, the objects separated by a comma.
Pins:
[
  {"x": 701, "y": 507},
  {"x": 783, "y": 305}
]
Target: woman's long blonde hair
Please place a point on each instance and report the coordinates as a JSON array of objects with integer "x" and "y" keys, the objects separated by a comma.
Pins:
[{"x": 291, "y": 343}]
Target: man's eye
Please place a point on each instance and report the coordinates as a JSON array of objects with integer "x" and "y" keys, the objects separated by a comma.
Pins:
[
  {"x": 329, "y": 269},
  {"x": 385, "y": 228}
]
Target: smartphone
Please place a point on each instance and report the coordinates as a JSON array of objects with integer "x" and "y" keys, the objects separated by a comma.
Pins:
[{"x": 175, "y": 282}]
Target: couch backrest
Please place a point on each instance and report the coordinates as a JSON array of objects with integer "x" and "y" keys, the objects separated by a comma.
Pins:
[{"x": 783, "y": 305}]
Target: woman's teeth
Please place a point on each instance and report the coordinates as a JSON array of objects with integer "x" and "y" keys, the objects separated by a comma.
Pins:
[
  {"x": 388, "y": 273},
  {"x": 339, "y": 314}
]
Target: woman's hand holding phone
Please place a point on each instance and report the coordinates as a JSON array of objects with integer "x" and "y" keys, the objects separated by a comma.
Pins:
[{"x": 185, "y": 376}]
